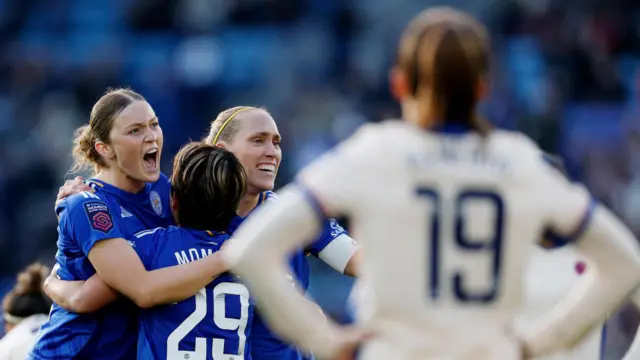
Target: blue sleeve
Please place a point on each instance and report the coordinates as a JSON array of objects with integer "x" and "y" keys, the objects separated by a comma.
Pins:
[
  {"x": 86, "y": 218},
  {"x": 145, "y": 244},
  {"x": 331, "y": 229}
]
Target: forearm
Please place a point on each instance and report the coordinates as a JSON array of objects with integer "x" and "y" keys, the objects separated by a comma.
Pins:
[
  {"x": 612, "y": 250},
  {"x": 258, "y": 255},
  {"x": 634, "y": 350},
  {"x": 80, "y": 296},
  {"x": 62, "y": 292},
  {"x": 180, "y": 282},
  {"x": 120, "y": 267}
]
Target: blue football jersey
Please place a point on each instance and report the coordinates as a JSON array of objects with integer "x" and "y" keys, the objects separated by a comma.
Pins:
[
  {"x": 84, "y": 219},
  {"x": 213, "y": 324},
  {"x": 265, "y": 345}
]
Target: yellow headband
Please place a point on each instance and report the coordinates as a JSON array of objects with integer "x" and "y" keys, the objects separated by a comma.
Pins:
[{"x": 224, "y": 124}]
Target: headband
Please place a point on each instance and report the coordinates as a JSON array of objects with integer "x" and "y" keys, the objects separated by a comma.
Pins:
[
  {"x": 12, "y": 319},
  {"x": 224, "y": 124}
]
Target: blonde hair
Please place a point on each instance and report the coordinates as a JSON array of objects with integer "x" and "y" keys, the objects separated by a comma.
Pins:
[
  {"x": 226, "y": 125},
  {"x": 103, "y": 114}
]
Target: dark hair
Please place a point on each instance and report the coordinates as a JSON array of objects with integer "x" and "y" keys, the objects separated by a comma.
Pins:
[
  {"x": 208, "y": 183},
  {"x": 27, "y": 297},
  {"x": 104, "y": 112},
  {"x": 231, "y": 128},
  {"x": 445, "y": 53}
]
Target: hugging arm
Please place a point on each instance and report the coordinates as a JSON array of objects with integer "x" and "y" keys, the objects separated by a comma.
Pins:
[{"x": 79, "y": 296}]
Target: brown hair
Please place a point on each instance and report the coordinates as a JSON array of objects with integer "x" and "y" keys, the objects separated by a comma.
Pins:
[
  {"x": 226, "y": 125},
  {"x": 445, "y": 53},
  {"x": 27, "y": 297},
  {"x": 208, "y": 183},
  {"x": 103, "y": 114}
]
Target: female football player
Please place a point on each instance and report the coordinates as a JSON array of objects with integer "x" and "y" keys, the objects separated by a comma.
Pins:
[
  {"x": 123, "y": 142},
  {"x": 453, "y": 205}
]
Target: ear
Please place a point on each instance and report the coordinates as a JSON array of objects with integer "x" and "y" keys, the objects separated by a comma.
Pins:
[
  {"x": 173, "y": 203},
  {"x": 398, "y": 84},
  {"x": 483, "y": 88},
  {"x": 221, "y": 145},
  {"x": 104, "y": 150}
]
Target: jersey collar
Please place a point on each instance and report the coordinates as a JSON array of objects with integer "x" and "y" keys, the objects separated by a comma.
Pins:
[{"x": 451, "y": 129}]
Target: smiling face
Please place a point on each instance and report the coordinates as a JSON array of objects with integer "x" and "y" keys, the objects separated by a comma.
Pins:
[
  {"x": 257, "y": 145},
  {"x": 135, "y": 143}
]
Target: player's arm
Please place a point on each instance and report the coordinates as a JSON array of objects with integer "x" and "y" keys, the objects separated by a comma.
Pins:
[
  {"x": 266, "y": 239},
  {"x": 634, "y": 350},
  {"x": 258, "y": 254},
  {"x": 79, "y": 296},
  {"x": 119, "y": 266},
  {"x": 353, "y": 265},
  {"x": 609, "y": 245},
  {"x": 336, "y": 248}
]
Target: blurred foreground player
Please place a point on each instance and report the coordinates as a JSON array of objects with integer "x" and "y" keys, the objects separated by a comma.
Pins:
[
  {"x": 447, "y": 210},
  {"x": 549, "y": 277},
  {"x": 25, "y": 309}
]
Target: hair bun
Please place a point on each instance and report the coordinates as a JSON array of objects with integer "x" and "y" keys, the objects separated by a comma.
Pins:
[{"x": 31, "y": 279}]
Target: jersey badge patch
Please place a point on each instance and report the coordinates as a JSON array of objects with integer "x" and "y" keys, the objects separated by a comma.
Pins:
[
  {"x": 99, "y": 216},
  {"x": 156, "y": 203}
]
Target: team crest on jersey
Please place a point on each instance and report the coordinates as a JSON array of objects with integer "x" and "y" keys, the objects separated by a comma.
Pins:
[
  {"x": 336, "y": 229},
  {"x": 99, "y": 216},
  {"x": 156, "y": 203}
]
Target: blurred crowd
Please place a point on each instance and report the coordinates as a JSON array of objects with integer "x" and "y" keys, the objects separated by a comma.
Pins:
[{"x": 565, "y": 72}]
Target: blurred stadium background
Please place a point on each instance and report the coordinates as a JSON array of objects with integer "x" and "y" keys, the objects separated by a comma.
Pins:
[{"x": 566, "y": 73}]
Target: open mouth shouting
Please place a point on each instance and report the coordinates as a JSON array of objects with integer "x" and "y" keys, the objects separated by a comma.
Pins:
[{"x": 150, "y": 159}]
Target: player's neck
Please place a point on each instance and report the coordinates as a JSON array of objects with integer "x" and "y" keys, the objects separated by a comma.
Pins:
[
  {"x": 249, "y": 202},
  {"x": 413, "y": 112},
  {"x": 121, "y": 181}
]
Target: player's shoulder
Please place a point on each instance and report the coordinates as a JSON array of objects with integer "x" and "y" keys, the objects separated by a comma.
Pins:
[
  {"x": 367, "y": 141},
  {"x": 372, "y": 132},
  {"x": 85, "y": 199},
  {"x": 519, "y": 147},
  {"x": 158, "y": 233},
  {"x": 531, "y": 162},
  {"x": 505, "y": 139}
]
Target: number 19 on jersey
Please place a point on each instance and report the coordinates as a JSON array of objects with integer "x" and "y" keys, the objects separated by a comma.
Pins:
[{"x": 488, "y": 245}]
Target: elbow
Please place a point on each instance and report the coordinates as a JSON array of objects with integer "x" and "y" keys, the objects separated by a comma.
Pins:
[
  {"x": 248, "y": 263},
  {"x": 144, "y": 299}
]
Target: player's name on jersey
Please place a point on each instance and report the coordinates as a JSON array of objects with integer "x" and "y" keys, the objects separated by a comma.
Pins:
[
  {"x": 192, "y": 254},
  {"x": 450, "y": 156}
]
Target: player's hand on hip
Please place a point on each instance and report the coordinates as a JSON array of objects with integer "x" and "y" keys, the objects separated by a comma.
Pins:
[{"x": 71, "y": 187}]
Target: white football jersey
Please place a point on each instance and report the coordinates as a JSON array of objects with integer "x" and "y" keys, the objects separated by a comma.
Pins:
[
  {"x": 18, "y": 342},
  {"x": 549, "y": 277},
  {"x": 447, "y": 223}
]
